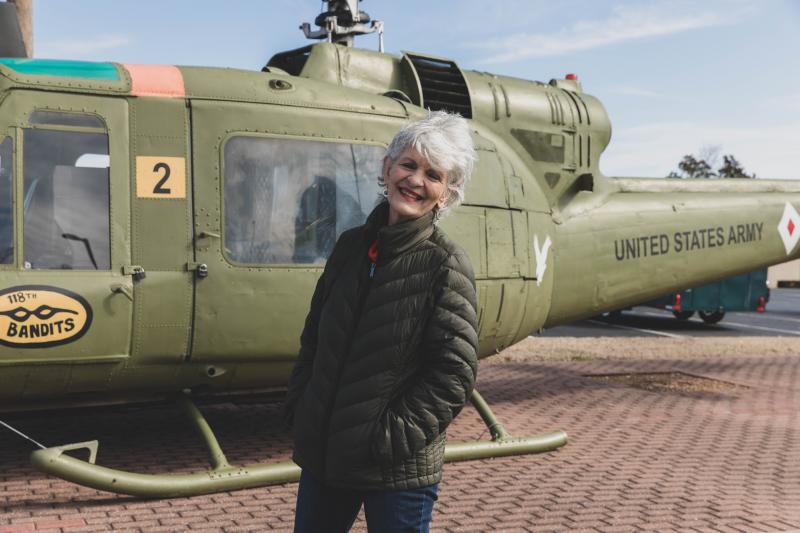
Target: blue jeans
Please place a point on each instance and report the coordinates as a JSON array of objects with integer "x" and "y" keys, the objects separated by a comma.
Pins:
[{"x": 325, "y": 509}]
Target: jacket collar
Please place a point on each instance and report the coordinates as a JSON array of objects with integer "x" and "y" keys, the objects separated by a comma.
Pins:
[{"x": 395, "y": 239}]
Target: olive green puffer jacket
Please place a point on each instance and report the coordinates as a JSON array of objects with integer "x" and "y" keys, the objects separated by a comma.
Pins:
[{"x": 388, "y": 357}]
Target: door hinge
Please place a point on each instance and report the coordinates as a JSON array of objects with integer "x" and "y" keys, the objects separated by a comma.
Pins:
[{"x": 135, "y": 271}]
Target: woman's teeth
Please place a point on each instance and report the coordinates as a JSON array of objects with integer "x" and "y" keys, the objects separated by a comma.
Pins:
[{"x": 410, "y": 195}]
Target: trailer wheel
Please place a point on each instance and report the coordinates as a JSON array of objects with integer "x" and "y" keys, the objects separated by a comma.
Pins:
[
  {"x": 711, "y": 317},
  {"x": 683, "y": 315}
]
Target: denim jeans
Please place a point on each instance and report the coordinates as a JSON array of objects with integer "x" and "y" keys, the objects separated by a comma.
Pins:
[{"x": 324, "y": 509}]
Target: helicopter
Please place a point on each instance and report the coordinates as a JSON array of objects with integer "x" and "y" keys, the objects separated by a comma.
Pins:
[{"x": 162, "y": 228}]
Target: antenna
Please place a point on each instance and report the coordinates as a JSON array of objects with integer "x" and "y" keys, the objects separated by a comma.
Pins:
[{"x": 341, "y": 22}]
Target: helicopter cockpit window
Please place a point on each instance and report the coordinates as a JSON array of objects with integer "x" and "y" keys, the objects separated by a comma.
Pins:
[
  {"x": 63, "y": 118},
  {"x": 286, "y": 200},
  {"x": 66, "y": 200},
  {"x": 6, "y": 204}
]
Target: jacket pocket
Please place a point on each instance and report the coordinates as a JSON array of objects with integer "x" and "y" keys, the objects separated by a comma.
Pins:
[{"x": 380, "y": 442}]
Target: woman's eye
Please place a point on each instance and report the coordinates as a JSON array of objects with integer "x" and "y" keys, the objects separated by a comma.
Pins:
[
  {"x": 435, "y": 177},
  {"x": 410, "y": 166}
]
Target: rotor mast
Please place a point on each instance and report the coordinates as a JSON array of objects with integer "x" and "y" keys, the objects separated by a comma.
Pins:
[{"x": 341, "y": 22}]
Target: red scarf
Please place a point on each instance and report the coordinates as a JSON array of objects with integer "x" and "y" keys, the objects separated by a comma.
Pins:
[
  {"x": 373, "y": 251},
  {"x": 373, "y": 256}
]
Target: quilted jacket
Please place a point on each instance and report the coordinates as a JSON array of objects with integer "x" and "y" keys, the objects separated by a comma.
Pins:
[{"x": 388, "y": 357}]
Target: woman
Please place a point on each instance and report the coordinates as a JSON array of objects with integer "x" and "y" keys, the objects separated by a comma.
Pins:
[{"x": 388, "y": 353}]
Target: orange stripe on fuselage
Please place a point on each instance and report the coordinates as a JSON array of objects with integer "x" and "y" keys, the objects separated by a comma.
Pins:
[{"x": 156, "y": 80}]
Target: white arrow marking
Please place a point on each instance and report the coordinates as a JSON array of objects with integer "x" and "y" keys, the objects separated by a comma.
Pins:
[{"x": 541, "y": 257}]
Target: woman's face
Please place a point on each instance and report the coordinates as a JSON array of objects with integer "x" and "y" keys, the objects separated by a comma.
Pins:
[{"x": 413, "y": 186}]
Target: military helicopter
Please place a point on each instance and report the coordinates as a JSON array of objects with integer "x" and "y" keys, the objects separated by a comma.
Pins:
[{"x": 162, "y": 227}]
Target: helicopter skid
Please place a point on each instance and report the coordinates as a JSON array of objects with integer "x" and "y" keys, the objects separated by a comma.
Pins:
[{"x": 224, "y": 477}]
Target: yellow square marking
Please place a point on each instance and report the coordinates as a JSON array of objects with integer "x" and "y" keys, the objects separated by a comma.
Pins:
[{"x": 160, "y": 177}]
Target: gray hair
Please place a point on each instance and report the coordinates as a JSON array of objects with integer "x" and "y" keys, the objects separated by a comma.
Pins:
[{"x": 443, "y": 139}]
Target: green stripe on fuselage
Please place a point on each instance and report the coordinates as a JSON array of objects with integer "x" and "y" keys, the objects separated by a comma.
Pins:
[{"x": 62, "y": 68}]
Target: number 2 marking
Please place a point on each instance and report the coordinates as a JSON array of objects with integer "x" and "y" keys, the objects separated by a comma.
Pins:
[
  {"x": 160, "y": 177},
  {"x": 159, "y": 188}
]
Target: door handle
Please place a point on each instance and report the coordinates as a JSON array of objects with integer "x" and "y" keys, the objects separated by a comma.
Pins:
[{"x": 121, "y": 288}]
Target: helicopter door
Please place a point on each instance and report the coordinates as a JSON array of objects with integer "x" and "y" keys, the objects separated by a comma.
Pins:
[
  {"x": 161, "y": 230},
  {"x": 269, "y": 207},
  {"x": 63, "y": 297}
]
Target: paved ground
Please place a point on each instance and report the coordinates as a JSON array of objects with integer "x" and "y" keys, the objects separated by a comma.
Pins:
[
  {"x": 782, "y": 318},
  {"x": 726, "y": 459}
]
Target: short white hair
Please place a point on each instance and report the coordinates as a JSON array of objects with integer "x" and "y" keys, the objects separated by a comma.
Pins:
[{"x": 444, "y": 140}]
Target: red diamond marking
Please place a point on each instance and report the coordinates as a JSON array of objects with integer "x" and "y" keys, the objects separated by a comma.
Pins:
[{"x": 790, "y": 226}]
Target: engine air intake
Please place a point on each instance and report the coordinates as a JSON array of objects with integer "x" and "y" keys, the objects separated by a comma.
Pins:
[{"x": 443, "y": 85}]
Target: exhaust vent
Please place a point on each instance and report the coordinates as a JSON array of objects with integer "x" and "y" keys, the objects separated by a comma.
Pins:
[
  {"x": 291, "y": 61},
  {"x": 442, "y": 84}
]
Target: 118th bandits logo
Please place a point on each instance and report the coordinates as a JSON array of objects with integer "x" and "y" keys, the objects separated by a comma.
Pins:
[{"x": 39, "y": 316}]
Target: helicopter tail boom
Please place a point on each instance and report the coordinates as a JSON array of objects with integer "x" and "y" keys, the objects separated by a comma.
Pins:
[{"x": 653, "y": 237}]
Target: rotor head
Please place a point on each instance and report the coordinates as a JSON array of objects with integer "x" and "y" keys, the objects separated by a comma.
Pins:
[{"x": 341, "y": 22}]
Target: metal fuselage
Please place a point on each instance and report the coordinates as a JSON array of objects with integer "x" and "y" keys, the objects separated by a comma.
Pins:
[{"x": 551, "y": 239}]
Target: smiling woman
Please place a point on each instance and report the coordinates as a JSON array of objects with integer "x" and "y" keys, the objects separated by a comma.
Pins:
[{"x": 388, "y": 354}]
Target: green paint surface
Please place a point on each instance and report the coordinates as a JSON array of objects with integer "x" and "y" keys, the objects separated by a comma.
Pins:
[{"x": 62, "y": 68}]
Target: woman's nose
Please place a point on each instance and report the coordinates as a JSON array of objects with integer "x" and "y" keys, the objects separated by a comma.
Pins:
[{"x": 415, "y": 179}]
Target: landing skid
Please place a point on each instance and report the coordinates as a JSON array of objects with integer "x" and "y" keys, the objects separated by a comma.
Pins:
[{"x": 223, "y": 477}]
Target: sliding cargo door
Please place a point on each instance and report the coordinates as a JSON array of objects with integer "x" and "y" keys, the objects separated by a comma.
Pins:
[{"x": 274, "y": 187}]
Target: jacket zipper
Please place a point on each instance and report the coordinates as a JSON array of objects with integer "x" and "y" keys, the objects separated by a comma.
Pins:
[{"x": 362, "y": 298}]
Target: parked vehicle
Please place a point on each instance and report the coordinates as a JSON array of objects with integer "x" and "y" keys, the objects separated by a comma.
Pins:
[{"x": 747, "y": 292}]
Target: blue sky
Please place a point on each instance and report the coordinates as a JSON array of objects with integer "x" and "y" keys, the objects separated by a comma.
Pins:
[{"x": 676, "y": 76}]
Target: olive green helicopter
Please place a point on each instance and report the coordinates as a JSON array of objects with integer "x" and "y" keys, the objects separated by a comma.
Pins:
[{"x": 162, "y": 228}]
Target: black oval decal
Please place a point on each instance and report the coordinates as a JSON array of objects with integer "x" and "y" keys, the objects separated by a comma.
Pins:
[{"x": 40, "y": 316}]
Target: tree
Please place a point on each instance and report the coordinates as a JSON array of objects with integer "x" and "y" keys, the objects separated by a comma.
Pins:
[
  {"x": 692, "y": 167},
  {"x": 731, "y": 168},
  {"x": 699, "y": 167}
]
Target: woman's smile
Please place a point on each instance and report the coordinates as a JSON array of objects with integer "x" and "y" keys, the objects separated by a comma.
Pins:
[{"x": 408, "y": 195}]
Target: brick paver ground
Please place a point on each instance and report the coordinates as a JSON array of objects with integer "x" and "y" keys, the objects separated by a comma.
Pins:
[{"x": 725, "y": 461}]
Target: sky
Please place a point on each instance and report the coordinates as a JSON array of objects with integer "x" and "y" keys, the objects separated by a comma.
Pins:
[{"x": 676, "y": 77}]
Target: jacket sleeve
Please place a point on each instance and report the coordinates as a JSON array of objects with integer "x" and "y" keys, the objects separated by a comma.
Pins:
[
  {"x": 449, "y": 366},
  {"x": 301, "y": 373}
]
